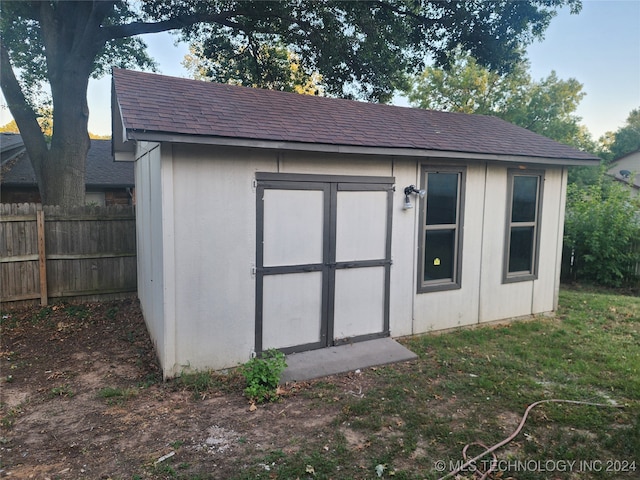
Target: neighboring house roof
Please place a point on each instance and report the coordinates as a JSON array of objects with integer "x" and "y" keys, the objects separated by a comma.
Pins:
[
  {"x": 627, "y": 163},
  {"x": 101, "y": 170},
  {"x": 156, "y": 107},
  {"x": 11, "y": 145}
]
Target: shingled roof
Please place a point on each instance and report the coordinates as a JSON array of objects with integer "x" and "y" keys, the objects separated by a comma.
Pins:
[
  {"x": 151, "y": 106},
  {"x": 101, "y": 169}
]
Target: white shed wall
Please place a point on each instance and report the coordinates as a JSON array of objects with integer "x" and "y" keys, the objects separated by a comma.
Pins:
[
  {"x": 214, "y": 204},
  {"x": 328, "y": 164},
  {"x": 545, "y": 289},
  {"x": 454, "y": 308},
  {"x": 498, "y": 300},
  {"x": 403, "y": 250},
  {"x": 506, "y": 300},
  {"x": 150, "y": 246},
  {"x": 197, "y": 232}
]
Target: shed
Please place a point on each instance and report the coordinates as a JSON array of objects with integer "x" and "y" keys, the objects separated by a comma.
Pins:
[{"x": 275, "y": 220}]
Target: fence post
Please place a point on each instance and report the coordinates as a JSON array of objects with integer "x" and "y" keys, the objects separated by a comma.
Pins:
[{"x": 42, "y": 257}]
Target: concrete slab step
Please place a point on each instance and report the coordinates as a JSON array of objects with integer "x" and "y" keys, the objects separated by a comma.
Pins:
[{"x": 344, "y": 358}]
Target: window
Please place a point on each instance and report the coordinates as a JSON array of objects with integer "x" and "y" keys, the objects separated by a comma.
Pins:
[
  {"x": 441, "y": 235},
  {"x": 523, "y": 225}
]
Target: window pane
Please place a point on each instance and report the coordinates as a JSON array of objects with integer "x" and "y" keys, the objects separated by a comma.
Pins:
[
  {"x": 525, "y": 192},
  {"x": 442, "y": 198},
  {"x": 521, "y": 249},
  {"x": 439, "y": 254}
]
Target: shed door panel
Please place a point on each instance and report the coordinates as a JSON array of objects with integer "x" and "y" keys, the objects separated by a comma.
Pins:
[
  {"x": 291, "y": 282},
  {"x": 361, "y": 261},
  {"x": 361, "y": 225},
  {"x": 293, "y": 228},
  {"x": 359, "y": 302},
  {"x": 322, "y": 261},
  {"x": 292, "y": 310}
]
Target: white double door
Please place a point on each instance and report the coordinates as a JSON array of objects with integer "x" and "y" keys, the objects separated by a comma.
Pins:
[{"x": 323, "y": 260}]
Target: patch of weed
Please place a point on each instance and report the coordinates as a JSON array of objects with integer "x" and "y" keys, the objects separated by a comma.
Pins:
[
  {"x": 177, "y": 444},
  {"x": 117, "y": 395},
  {"x": 77, "y": 310},
  {"x": 204, "y": 382},
  {"x": 9, "y": 418},
  {"x": 61, "y": 391},
  {"x": 150, "y": 379},
  {"x": 41, "y": 314},
  {"x": 164, "y": 468},
  {"x": 199, "y": 382},
  {"x": 112, "y": 312},
  {"x": 277, "y": 464}
]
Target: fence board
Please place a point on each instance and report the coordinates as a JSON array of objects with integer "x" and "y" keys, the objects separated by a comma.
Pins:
[
  {"x": 42, "y": 258},
  {"x": 89, "y": 251}
]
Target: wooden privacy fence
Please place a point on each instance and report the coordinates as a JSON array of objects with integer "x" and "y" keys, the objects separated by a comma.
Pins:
[{"x": 49, "y": 252}]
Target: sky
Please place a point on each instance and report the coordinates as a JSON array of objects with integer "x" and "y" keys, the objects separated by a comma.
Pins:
[{"x": 599, "y": 47}]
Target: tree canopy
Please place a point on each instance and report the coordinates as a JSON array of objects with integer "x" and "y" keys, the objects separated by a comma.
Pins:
[
  {"x": 546, "y": 107},
  {"x": 254, "y": 65},
  {"x": 624, "y": 140},
  {"x": 361, "y": 49}
]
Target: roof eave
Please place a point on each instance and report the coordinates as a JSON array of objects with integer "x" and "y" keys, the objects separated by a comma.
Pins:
[
  {"x": 143, "y": 135},
  {"x": 121, "y": 149}
]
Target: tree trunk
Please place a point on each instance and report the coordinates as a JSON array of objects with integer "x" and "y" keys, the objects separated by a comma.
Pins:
[
  {"x": 72, "y": 33},
  {"x": 62, "y": 171},
  {"x": 70, "y": 48}
]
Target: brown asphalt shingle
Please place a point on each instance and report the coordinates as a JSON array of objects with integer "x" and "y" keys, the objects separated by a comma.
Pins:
[
  {"x": 162, "y": 104},
  {"x": 101, "y": 169}
]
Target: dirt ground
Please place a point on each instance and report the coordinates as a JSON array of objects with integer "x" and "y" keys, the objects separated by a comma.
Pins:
[{"x": 81, "y": 397}]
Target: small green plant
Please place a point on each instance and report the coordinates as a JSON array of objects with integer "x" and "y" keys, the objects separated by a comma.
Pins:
[
  {"x": 115, "y": 395},
  {"x": 262, "y": 374},
  {"x": 61, "y": 391},
  {"x": 177, "y": 444},
  {"x": 112, "y": 312}
]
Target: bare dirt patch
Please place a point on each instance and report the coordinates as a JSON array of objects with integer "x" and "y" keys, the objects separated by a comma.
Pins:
[{"x": 82, "y": 398}]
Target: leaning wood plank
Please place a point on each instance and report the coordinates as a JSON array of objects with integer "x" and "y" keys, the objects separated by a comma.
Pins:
[
  {"x": 42, "y": 258},
  {"x": 21, "y": 258}
]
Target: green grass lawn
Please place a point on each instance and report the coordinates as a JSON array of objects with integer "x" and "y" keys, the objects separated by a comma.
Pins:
[{"x": 473, "y": 385}]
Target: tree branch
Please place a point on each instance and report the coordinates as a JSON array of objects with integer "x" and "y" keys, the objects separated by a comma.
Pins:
[
  {"x": 99, "y": 10},
  {"x": 182, "y": 21},
  {"x": 24, "y": 115},
  {"x": 421, "y": 18}
]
